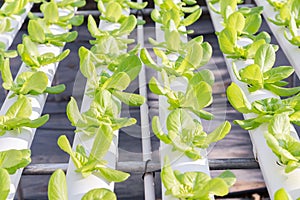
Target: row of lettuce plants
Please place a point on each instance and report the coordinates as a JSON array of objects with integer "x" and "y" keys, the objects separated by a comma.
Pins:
[
  {"x": 287, "y": 15},
  {"x": 109, "y": 70},
  {"x": 184, "y": 91},
  {"x": 21, "y": 110},
  {"x": 257, "y": 88},
  {"x": 12, "y": 16},
  {"x": 283, "y": 20}
]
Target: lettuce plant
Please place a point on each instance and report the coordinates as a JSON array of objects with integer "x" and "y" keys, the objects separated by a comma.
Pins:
[
  {"x": 51, "y": 15},
  {"x": 192, "y": 55},
  {"x": 197, "y": 95},
  {"x": 10, "y": 162},
  {"x": 172, "y": 12},
  {"x": 186, "y": 134},
  {"x": 295, "y": 37},
  {"x": 28, "y": 82},
  {"x": 18, "y": 116},
  {"x": 284, "y": 146},
  {"x": 13, "y": 8},
  {"x": 195, "y": 185},
  {"x": 103, "y": 110},
  {"x": 94, "y": 163},
  {"x": 124, "y": 72},
  {"x": 226, "y": 7},
  {"x": 57, "y": 189},
  {"x": 286, "y": 11},
  {"x": 261, "y": 74},
  {"x": 112, "y": 11},
  {"x": 33, "y": 59},
  {"x": 44, "y": 35},
  {"x": 265, "y": 109}
]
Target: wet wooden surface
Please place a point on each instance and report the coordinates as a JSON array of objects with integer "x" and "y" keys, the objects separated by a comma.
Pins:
[{"x": 44, "y": 149}]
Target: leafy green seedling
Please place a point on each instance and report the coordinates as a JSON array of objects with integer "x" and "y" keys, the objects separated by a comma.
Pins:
[
  {"x": 197, "y": 96},
  {"x": 195, "y": 185},
  {"x": 51, "y": 13},
  {"x": 57, "y": 189},
  {"x": 228, "y": 41},
  {"x": 94, "y": 163},
  {"x": 186, "y": 134},
  {"x": 261, "y": 74},
  {"x": 44, "y": 36},
  {"x": 33, "y": 83},
  {"x": 286, "y": 12},
  {"x": 112, "y": 11},
  {"x": 103, "y": 110},
  {"x": 284, "y": 146},
  {"x": 33, "y": 59},
  {"x": 193, "y": 55},
  {"x": 18, "y": 116},
  {"x": 265, "y": 109},
  {"x": 295, "y": 37},
  {"x": 170, "y": 12},
  {"x": 13, "y": 8},
  {"x": 12, "y": 160},
  {"x": 246, "y": 21},
  {"x": 226, "y": 7},
  {"x": 124, "y": 72}
]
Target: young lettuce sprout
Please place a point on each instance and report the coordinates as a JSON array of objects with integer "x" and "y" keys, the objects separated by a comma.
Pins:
[
  {"x": 261, "y": 74},
  {"x": 265, "y": 109},
  {"x": 197, "y": 96},
  {"x": 28, "y": 82},
  {"x": 18, "y": 116},
  {"x": 174, "y": 13},
  {"x": 286, "y": 11},
  {"x": 195, "y": 185},
  {"x": 295, "y": 37},
  {"x": 186, "y": 134},
  {"x": 94, "y": 163},
  {"x": 57, "y": 189},
  {"x": 193, "y": 55},
  {"x": 13, "y": 8},
  {"x": 33, "y": 59},
  {"x": 284, "y": 146},
  {"x": 10, "y": 162},
  {"x": 103, "y": 110}
]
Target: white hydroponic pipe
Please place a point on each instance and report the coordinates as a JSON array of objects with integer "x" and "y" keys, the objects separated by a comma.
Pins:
[
  {"x": 292, "y": 52},
  {"x": 274, "y": 175},
  {"x": 16, "y": 23},
  {"x": 178, "y": 160},
  {"x": 77, "y": 184},
  {"x": 23, "y": 140},
  {"x": 149, "y": 189}
]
